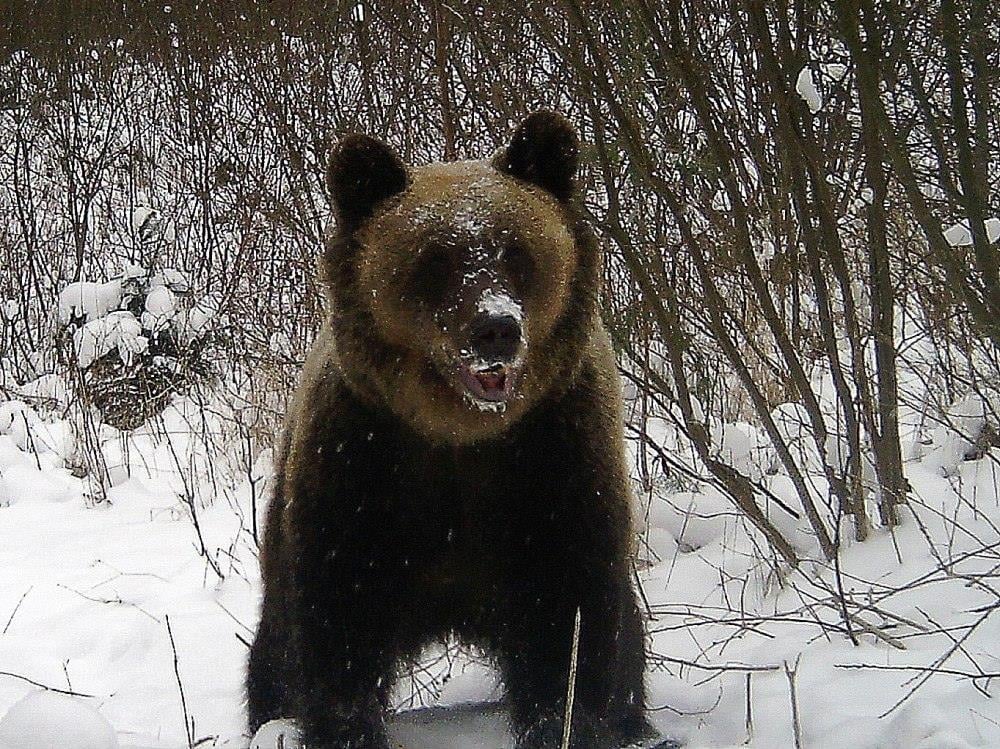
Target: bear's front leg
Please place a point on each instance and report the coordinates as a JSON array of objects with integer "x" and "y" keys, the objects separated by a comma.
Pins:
[
  {"x": 344, "y": 638},
  {"x": 535, "y": 661},
  {"x": 345, "y": 673}
]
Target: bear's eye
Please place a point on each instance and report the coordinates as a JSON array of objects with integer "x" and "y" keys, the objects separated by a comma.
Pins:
[
  {"x": 431, "y": 274},
  {"x": 519, "y": 266}
]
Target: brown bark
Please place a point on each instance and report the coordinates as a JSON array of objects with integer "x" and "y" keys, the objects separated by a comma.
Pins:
[{"x": 442, "y": 34}]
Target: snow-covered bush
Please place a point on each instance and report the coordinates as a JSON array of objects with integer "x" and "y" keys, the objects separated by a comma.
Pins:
[{"x": 131, "y": 343}]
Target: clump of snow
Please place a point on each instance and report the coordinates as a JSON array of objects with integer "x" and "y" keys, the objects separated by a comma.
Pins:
[
  {"x": 116, "y": 330},
  {"x": 806, "y": 88},
  {"x": 161, "y": 306},
  {"x": 275, "y": 733},
  {"x": 192, "y": 324},
  {"x": 499, "y": 305},
  {"x": 960, "y": 234},
  {"x": 955, "y": 437},
  {"x": 15, "y": 416},
  {"x": 742, "y": 446},
  {"x": 835, "y": 70},
  {"x": 25, "y": 482},
  {"x": 173, "y": 279},
  {"x": 10, "y": 453},
  {"x": 89, "y": 300},
  {"x": 46, "y": 720},
  {"x": 133, "y": 272},
  {"x": 692, "y": 519},
  {"x": 141, "y": 216},
  {"x": 149, "y": 225},
  {"x": 720, "y": 201}
]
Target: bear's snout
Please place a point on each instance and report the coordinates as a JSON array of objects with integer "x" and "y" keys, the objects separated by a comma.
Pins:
[
  {"x": 492, "y": 356},
  {"x": 494, "y": 338}
]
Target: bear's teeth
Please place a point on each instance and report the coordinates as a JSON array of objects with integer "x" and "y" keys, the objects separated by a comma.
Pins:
[{"x": 497, "y": 407}]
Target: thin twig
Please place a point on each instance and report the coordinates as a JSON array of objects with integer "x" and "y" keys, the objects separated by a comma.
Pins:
[
  {"x": 46, "y": 687},
  {"x": 790, "y": 672},
  {"x": 180, "y": 686},
  {"x": 714, "y": 666},
  {"x": 921, "y": 669},
  {"x": 571, "y": 682},
  {"x": 749, "y": 711},
  {"x": 16, "y": 607}
]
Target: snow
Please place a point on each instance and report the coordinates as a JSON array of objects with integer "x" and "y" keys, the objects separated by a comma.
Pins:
[
  {"x": 148, "y": 224},
  {"x": 46, "y": 720},
  {"x": 86, "y": 592},
  {"x": 954, "y": 437},
  {"x": 835, "y": 70},
  {"x": 140, "y": 216},
  {"x": 274, "y": 731},
  {"x": 116, "y": 330},
  {"x": 161, "y": 306},
  {"x": 16, "y": 419},
  {"x": 46, "y": 387},
  {"x": 194, "y": 322},
  {"x": 960, "y": 234},
  {"x": 690, "y": 529},
  {"x": 101, "y": 320},
  {"x": 806, "y": 88},
  {"x": 498, "y": 305},
  {"x": 173, "y": 279},
  {"x": 133, "y": 271},
  {"x": 89, "y": 300},
  {"x": 720, "y": 201},
  {"x": 26, "y": 483},
  {"x": 742, "y": 446}
]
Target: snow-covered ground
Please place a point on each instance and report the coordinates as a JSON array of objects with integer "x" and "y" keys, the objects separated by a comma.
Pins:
[{"x": 115, "y": 605}]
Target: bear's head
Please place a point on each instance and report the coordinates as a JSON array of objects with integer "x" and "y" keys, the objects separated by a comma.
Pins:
[{"x": 464, "y": 293}]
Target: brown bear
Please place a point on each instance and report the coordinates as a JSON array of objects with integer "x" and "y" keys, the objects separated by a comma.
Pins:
[{"x": 453, "y": 461}]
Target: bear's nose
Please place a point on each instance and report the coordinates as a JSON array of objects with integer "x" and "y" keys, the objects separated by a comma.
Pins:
[{"x": 495, "y": 337}]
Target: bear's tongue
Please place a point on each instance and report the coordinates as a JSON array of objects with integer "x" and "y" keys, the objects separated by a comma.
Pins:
[
  {"x": 493, "y": 384},
  {"x": 492, "y": 381}
]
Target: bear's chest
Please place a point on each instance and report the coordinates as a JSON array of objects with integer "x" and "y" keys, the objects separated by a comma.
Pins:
[{"x": 458, "y": 515}]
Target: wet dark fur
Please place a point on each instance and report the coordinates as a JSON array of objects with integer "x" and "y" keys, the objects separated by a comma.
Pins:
[{"x": 381, "y": 539}]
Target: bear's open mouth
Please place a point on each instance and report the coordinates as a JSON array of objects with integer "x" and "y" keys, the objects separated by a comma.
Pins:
[{"x": 493, "y": 383}]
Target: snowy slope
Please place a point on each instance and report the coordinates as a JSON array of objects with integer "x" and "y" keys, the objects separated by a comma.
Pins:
[{"x": 86, "y": 594}]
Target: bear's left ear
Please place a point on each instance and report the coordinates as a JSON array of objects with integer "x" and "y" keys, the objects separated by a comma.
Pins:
[
  {"x": 544, "y": 151},
  {"x": 363, "y": 171}
]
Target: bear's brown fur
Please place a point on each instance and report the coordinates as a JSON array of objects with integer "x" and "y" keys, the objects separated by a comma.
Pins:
[{"x": 453, "y": 461}]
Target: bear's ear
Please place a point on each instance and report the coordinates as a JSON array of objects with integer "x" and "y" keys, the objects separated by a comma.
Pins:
[
  {"x": 363, "y": 171},
  {"x": 544, "y": 151}
]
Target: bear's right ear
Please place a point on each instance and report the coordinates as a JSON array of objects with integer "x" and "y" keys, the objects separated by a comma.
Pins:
[
  {"x": 363, "y": 171},
  {"x": 545, "y": 151}
]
